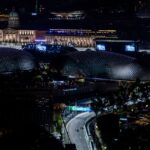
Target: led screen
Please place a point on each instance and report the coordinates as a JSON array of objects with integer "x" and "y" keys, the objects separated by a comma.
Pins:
[
  {"x": 100, "y": 47},
  {"x": 130, "y": 47}
]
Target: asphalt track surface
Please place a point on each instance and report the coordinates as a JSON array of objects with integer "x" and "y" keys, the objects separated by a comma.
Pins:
[{"x": 77, "y": 131}]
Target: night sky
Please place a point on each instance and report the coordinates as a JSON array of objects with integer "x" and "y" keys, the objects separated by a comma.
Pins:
[
  {"x": 67, "y": 4},
  {"x": 52, "y": 4}
]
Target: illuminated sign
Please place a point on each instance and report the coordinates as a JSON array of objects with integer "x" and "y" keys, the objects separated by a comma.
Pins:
[
  {"x": 77, "y": 108},
  {"x": 123, "y": 119}
]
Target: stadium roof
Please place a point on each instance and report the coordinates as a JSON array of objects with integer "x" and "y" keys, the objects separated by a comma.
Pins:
[
  {"x": 12, "y": 60},
  {"x": 99, "y": 64}
]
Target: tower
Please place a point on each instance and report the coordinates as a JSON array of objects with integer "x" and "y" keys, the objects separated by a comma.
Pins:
[
  {"x": 36, "y": 6},
  {"x": 13, "y": 21}
]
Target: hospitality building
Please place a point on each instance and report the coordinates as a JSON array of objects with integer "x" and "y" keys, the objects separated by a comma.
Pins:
[{"x": 14, "y": 32}]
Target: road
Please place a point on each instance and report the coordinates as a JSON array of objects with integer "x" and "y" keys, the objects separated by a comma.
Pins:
[{"x": 77, "y": 131}]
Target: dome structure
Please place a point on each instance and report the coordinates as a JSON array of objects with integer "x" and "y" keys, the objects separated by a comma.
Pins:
[
  {"x": 13, "y": 21},
  {"x": 12, "y": 60}
]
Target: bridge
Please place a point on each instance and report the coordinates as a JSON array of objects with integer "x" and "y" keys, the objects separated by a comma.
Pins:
[{"x": 19, "y": 46}]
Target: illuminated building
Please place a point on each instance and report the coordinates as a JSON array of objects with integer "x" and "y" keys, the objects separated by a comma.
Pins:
[
  {"x": 65, "y": 37},
  {"x": 16, "y": 32},
  {"x": 17, "y": 36},
  {"x": 3, "y": 17},
  {"x": 13, "y": 21},
  {"x": 73, "y": 15}
]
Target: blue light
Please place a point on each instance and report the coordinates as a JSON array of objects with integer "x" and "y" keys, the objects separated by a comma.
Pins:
[
  {"x": 41, "y": 47},
  {"x": 77, "y": 108},
  {"x": 34, "y": 14},
  {"x": 100, "y": 47},
  {"x": 123, "y": 119},
  {"x": 40, "y": 40},
  {"x": 130, "y": 48}
]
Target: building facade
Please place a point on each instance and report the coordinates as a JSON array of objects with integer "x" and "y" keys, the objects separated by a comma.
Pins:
[
  {"x": 14, "y": 32},
  {"x": 65, "y": 37}
]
